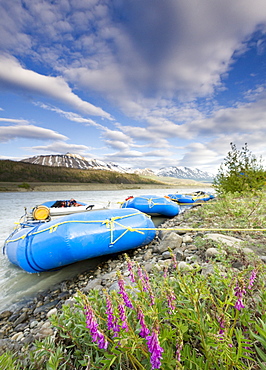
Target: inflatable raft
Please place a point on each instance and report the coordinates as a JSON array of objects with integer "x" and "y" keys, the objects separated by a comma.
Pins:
[
  {"x": 59, "y": 208},
  {"x": 191, "y": 198},
  {"x": 40, "y": 246},
  {"x": 153, "y": 205}
]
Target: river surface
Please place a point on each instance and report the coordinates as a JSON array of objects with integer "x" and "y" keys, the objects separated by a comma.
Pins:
[{"x": 17, "y": 285}]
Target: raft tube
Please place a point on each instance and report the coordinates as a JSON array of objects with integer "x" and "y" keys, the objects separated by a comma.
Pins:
[
  {"x": 186, "y": 198},
  {"x": 53, "y": 244},
  {"x": 153, "y": 205}
]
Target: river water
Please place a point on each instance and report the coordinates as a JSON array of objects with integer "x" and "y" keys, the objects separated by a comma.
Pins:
[{"x": 17, "y": 285}]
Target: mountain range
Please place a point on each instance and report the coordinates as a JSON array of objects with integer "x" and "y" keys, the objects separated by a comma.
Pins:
[{"x": 77, "y": 161}]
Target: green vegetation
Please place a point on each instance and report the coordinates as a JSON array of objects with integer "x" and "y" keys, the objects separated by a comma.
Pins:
[
  {"x": 240, "y": 172},
  {"x": 25, "y": 185},
  {"x": 176, "y": 320},
  {"x": 11, "y": 171}
]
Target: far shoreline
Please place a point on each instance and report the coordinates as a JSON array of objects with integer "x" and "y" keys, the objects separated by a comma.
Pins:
[{"x": 56, "y": 186}]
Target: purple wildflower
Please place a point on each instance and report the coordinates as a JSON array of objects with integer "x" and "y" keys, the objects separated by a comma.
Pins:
[
  {"x": 174, "y": 260},
  {"x": 92, "y": 325},
  {"x": 111, "y": 319},
  {"x": 152, "y": 298},
  {"x": 144, "y": 330},
  {"x": 123, "y": 292},
  {"x": 179, "y": 346},
  {"x": 147, "y": 287},
  {"x": 221, "y": 322},
  {"x": 165, "y": 272},
  {"x": 109, "y": 313},
  {"x": 130, "y": 269},
  {"x": 252, "y": 278},
  {"x": 239, "y": 304},
  {"x": 154, "y": 349},
  {"x": 140, "y": 274},
  {"x": 146, "y": 282},
  {"x": 171, "y": 300},
  {"x": 239, "y": 293},
  {"x": 122, "y": 314}
]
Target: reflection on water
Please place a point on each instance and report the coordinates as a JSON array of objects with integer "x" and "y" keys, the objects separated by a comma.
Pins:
[{"x": 16, "y": 284}]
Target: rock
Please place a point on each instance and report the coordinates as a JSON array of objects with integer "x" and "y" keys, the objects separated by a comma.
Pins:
[
  {"x": 44, "y": 332},
  {"x": 9, "y": 345},
  {"x": 213, "y": 252},
  {"x": 230, "y": 241},
  {"x": 166, "y": 255},
  {"x": 247, "y": 250},
  {"x": 46, "y": 307},
  {"x": 207, "y": 269},
  {"x": 92, "y": 284},
  {"x": 148, "y": 255},
  {"x": 172, "y": 241},
  {"x": 53, "y": 311},
  {"x": 187, "y": 239},
  {"x": 21, "y": 318},
  {"x": 17, "y": 336},
  {"x": 183, "y": 266},
  {"x": 179, "y": 254},
  {"x": 5, "y": 315},
  {"x": 33, "y": 324}
]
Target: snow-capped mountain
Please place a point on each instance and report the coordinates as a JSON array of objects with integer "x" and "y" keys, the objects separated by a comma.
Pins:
[
  {"x": 73, "y": 161},
  {"x": 185, "y": 173},
  {"x": 77, "y": 161}
]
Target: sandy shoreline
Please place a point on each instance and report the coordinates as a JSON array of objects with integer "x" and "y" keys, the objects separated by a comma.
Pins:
[{"x": 16, "y": 186}]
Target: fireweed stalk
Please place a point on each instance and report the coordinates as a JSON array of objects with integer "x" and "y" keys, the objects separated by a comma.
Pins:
[
  {"x": 144, "y": 330},
  {"x": 122, "y": 315},
  {"x": 130, "y": 268},
  {"x": 240, "y": 291},
  {"x": 170, "y": 300},
  {"x": 111, "y": 319},
  {"x": 154, "y": 348},
  {"x": 122, "y": 291},
  {"x": 252, "y": 278},
  {"x": 92, "y": 324}
]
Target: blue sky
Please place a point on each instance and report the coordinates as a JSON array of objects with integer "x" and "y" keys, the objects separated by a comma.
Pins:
[{"x": 142, "y": 83}]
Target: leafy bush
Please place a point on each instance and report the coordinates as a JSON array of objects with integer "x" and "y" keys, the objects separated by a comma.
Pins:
[
  {"x": 25, "y": 185},
  {"x": 241, "y": 171}
]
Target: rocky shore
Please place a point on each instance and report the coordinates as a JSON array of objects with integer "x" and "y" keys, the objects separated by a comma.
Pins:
[{"x": 19, "y": 329}]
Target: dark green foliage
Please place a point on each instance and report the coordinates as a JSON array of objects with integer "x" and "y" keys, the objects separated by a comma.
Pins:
[
  {"x": 241, "y": 171},
  {"x": 25, "y": 185},
  {"x": 11, "y": 171}
]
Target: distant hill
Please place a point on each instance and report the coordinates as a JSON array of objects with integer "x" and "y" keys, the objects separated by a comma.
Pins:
[
  {"x": 11, "y": 171},
  {"x": 185, "y": 173},
  {"x": 69, "y": 160},
  {"x": 76, "y": 161}
]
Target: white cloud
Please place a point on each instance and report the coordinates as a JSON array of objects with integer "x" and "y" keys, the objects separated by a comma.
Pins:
[
  {"x": 13, "y": 76},
  {"x": 61, "y": 147},
  {"x": 14, "y": 120},
  {"x": 166, "y": 48},
  {"x": 8, "y": 133}
]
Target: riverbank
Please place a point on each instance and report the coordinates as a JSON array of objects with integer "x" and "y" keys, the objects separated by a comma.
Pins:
[
  {"x": 193, "y": 247},
  {"x": 55, "y": 186}
]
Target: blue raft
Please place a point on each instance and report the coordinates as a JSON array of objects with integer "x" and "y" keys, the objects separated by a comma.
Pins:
[
  {"x": 153, "y": 205},
  {"x": 42, "y": 246},
  {"x": 197, "y": 197}
]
